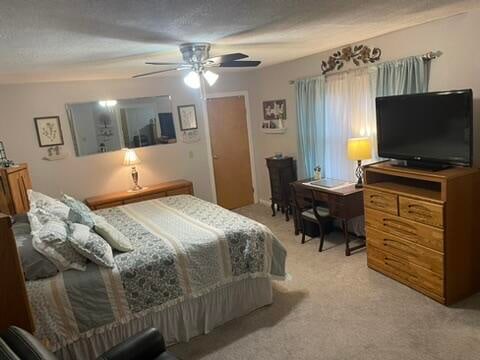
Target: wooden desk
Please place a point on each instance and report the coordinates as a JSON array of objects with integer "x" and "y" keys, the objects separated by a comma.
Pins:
[{"x": 344, "y": 204}]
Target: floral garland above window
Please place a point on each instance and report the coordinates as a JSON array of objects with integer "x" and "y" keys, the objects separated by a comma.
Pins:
[{"x": 360, "y": 54}]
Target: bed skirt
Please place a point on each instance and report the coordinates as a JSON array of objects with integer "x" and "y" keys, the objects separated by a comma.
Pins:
[{"x": 182, "y": 321}]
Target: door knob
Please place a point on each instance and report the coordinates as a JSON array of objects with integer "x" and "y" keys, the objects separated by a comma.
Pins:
[{"x": 215, "y": 157}]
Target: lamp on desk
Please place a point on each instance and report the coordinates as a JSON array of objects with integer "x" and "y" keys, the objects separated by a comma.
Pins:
[
  {"x": 131, "y": 159},
  {"x": 359, "y": 149}
]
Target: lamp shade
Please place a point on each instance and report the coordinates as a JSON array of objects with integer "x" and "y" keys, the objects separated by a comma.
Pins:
[
  {"x": 130, "y": 158},
  {"x": 359, "y": 148}
]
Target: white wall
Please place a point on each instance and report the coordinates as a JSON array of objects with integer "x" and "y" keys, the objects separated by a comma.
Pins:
[
  {"x": 96, "y": 174},
  {"x": 457, "y": 68}
]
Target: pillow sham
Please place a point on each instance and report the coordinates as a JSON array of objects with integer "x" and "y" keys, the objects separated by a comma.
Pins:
[
  {"x": 85, "y": 215},
  {"x": 51, "y": 241},
  {"x": 90, "y": 245},
  {"x": 52, "y": 206},
  {"x": 114, "y": 237},
  {"x": 35, "y": 265}
]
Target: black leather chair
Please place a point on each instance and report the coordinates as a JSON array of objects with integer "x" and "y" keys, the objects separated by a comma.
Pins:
[{"x": 16, "y": 343}]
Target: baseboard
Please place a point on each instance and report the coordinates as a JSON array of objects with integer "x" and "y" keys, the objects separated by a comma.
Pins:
[{"x": 264, "y": 202}]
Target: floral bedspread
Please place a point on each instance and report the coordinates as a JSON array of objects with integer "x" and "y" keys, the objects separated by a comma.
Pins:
[{"x": 184, "y": 248}]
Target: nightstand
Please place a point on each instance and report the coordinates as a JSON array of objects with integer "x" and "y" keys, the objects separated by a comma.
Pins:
[{"x": 169, "y": 188}]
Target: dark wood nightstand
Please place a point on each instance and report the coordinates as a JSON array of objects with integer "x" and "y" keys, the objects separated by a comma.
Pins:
[{"x": 169, "y": 188}]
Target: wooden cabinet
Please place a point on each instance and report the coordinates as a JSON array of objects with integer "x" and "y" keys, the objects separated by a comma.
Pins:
[
  {"x": 282, "y": 172},
  {"x": 421, "y": 229},
  {"x": 169, "y": 188},
  {"x": 14, "y": 183}
]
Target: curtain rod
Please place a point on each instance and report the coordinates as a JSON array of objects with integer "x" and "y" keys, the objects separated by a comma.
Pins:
[{"x": 431, "y": 55}]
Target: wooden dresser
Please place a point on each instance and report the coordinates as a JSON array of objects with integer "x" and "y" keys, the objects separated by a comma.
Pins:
[
  {"x": 422, "y": 228},
  {"x": 14, "y": 182},
  {"x": 282, "y": 172},
  {"x": 169, "y": 188}
]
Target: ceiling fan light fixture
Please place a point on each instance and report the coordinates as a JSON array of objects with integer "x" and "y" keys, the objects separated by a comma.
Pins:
[
  {"x": 192, "y": 79},
  {"x": 211, "y": 77}
]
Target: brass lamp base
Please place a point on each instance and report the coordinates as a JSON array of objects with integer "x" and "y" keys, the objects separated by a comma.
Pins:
[{"x": 135, "y": 187}]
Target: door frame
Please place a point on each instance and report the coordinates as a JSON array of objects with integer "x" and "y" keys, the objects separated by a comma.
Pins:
[{"x": 243, "y": 93}]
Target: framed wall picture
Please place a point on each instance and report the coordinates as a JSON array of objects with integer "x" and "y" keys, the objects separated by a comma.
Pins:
[
  {"x": 49, "y": 131},
  {"x": 187, "y": 117},
  {"x": 275, "y": 110}
]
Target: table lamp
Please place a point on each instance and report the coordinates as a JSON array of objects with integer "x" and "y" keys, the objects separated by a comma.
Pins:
[
  {"x": 131, "y": 159},
  {"x": 359, "y": 149}
]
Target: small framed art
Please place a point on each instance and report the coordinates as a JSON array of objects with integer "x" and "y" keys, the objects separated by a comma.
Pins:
[
  {"x": 187, "y": 117},
  {"x": 49, "y": 131}
]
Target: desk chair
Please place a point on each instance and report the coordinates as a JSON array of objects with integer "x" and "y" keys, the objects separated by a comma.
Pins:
[{"x": 320, "y": 215}]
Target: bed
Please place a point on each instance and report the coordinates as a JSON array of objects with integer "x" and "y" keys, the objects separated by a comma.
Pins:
[{"x": 195, "y": 266}]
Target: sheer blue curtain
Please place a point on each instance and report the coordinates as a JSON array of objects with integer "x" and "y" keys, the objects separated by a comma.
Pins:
[
  {"x": 310, "y": 95},
  {"x": 405, "y": 76}
]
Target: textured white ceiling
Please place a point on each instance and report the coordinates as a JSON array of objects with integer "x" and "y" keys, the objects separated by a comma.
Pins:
[{"x": 50, "y": 40}]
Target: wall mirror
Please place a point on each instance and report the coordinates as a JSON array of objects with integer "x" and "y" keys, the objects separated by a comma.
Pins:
[{"x": 110, "y": 125}]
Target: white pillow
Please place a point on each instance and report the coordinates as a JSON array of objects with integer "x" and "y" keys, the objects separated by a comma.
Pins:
[
  {"x": 51, "y": 206},
  {"x": 51, "y": 240},
  {"x": 90, "y": 245},
  {"x": 114, "y": 237}
]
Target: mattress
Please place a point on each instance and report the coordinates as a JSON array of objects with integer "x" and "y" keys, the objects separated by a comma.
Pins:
[{"x": 194, "y": 267}]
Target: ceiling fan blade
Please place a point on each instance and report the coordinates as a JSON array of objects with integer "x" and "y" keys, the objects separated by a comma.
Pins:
[
  {"x": 226, "y": 58},
  {"x": 153, "y": 73},
  {"x": 165, "y": 63},
  {"x": 241, "y": 64}
]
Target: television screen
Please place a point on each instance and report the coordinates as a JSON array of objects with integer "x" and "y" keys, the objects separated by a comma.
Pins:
[{"x": 429, "y": 127}]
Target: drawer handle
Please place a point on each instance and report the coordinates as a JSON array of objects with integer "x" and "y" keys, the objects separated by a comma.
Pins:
[
  {"x": 378, "y": 203},
  {"x": 394, "y": 244},
  {"x": 399, "y": 226},
  {"x": 391, "y": 262},
  {"x": 419, "y": 210}
]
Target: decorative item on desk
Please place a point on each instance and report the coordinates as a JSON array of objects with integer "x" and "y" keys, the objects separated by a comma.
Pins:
[
  {"x": 359, "y": 149},
  {"x": 131, "y": 159},
  {"x": 278, "y": 155},
  {"x": 317, "y": 172}
]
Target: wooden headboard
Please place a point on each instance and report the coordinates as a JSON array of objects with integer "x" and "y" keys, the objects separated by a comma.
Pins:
[{"x": 14, "y": 305}]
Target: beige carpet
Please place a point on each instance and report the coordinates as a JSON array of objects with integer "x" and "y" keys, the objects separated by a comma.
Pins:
[{"x": 334, "y": 307}]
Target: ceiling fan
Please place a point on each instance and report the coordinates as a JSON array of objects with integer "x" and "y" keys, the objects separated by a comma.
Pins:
[{"x": 196, "y": 58}]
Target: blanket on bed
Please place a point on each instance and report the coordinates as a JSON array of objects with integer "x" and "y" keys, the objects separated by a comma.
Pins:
[{"x": 184, "y": 247}]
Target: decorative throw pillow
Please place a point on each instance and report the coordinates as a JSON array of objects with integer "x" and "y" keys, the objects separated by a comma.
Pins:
[
  {"x": 35, "y": 265},
  {"x": 85, "y": 215},
  {"x": 51, "y": 240},
  {"x": 91, "y": 245},
  {"x": 114, "y": 237},
  {"x": 52, "y": 206}
]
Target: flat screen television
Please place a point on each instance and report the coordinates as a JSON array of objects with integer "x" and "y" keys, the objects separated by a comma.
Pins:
[{"x": 427, "y": 130}]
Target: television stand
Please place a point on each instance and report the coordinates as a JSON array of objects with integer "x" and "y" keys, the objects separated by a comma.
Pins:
[{"x": 422, "y": 165}]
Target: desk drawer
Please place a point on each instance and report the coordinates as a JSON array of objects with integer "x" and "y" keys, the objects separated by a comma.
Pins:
[
  {"x": 421, "y": 211},
  {"x": 425, "y": 235},
  {"x": 417, "y": 254},
  {"x": 405, "y": 271},
  {"x": 381, "y": 201}
]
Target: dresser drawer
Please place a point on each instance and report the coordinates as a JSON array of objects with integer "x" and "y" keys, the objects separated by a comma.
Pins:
[
  {"x": 381, "y": 201},
  {"x": 417, "y": 254},
  {"x": 421, "y": 211},
  {"x": 425, "y": 235},
  {"x": 145, "y": 198},
  {"x": 405, "y": 271},
  {"x": 182, "y": 191}
]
